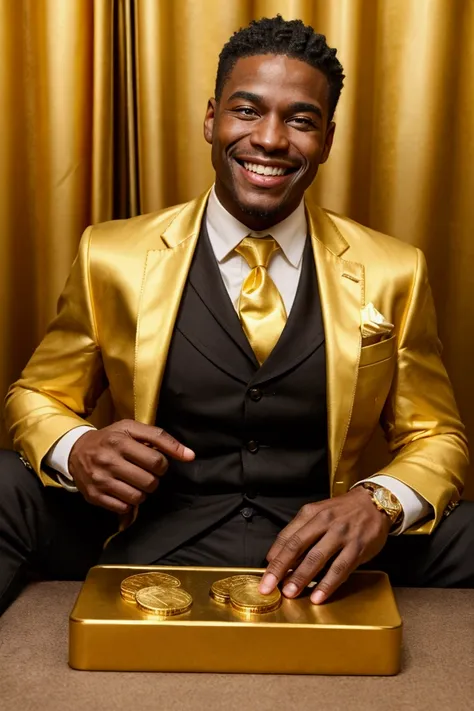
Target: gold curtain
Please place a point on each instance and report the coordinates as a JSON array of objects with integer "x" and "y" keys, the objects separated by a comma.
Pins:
[{"x": 102, "y": 106}]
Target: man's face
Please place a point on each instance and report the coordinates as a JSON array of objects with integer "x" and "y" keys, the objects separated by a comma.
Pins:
[{"x": 269, "y": 132}]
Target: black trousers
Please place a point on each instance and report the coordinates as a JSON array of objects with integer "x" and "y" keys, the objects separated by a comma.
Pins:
[{"x": 51, "y": 533}]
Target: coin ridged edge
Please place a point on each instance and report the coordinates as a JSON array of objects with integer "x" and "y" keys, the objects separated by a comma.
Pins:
[
  {"x": 256, "y": 610},
  {"x": 163, "y": 612},
  {"x": 219, "y": 598},
  {"x": 273, "y": 601},
  {"x": 129, "y": 597}
]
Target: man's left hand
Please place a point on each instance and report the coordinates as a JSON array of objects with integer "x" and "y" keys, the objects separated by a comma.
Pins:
[{"x": 349, "y": 527}]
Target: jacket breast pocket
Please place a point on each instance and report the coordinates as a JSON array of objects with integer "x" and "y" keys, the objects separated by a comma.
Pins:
[
  {"x": 376, "y": 370},
  {"x": 383, "y": 350}
]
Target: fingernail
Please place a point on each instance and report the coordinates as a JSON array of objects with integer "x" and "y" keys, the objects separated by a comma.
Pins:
[
  {"x": 290, "y": 590},
  {"x": 318, "y": 597},
  {"x": 189, "y": 453},
  {"x": 268, "y": 583}
]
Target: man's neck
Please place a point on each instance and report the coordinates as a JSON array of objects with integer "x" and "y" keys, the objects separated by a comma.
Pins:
[{"x": 226, "y": 231}]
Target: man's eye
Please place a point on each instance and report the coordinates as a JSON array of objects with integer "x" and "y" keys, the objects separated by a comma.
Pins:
[
  {"x": 302, "y": 121},
  {"x": 245, "y": 111}
]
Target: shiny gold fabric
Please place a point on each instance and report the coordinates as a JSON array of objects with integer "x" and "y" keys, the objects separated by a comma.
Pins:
[
  {"x": 117, "y": 316},
  {"x": 102, "y": 105},
  {"x": 262, "y": 312}
]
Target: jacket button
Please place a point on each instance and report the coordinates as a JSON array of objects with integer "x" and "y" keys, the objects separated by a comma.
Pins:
[
  {"x": 255, "y": 394},
  {"x": 252, "y": 446}
]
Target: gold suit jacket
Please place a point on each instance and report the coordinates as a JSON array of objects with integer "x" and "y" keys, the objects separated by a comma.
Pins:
[{"x": 116, "y": 317}]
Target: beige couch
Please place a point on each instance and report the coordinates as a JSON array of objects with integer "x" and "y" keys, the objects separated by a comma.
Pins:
[{"x": 438, "y": 667}]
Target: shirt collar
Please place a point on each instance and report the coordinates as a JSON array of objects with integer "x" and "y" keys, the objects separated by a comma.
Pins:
[{"x": 226, "y": 232}]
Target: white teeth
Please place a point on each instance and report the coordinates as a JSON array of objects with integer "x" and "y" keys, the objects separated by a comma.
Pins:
[{"x": 264, "y": 169}]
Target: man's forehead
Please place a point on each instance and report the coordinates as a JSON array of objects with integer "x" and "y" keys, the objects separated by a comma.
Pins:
[{"x": 261, "y": 74}]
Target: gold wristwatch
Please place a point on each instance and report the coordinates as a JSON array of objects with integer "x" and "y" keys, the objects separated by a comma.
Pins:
[{"x": 385, "y": 501}]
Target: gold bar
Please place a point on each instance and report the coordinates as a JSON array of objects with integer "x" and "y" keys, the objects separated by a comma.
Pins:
[{"x": 358, "y": 631}]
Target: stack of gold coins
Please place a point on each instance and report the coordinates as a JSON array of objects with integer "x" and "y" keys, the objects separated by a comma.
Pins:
[
  {"x": 164, "y": 601},
  {"x": 220, "y": 589},
  {"x": 246, "y": 598},
  {"x": 131, "y": 585}
]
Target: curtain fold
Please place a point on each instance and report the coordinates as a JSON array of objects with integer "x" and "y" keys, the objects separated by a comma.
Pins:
[
  {"x": 126, "y": 179},
  {"x": 45, "y": 162},
  {"x": 100, "y": 111},
  {"x": 103, "y": 102}
]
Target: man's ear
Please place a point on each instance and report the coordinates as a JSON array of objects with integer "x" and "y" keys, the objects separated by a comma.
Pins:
[
  {"x": 328, "y": 142},
  {"x": 209, "y": 119}
]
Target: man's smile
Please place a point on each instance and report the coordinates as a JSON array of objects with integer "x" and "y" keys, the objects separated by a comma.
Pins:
[{"x": 266, "y": 174}]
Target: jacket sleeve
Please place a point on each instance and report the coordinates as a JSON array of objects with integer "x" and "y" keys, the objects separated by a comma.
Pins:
[
  {"x": 420, "y": 417},
  {"x": 65, "y": 376}
]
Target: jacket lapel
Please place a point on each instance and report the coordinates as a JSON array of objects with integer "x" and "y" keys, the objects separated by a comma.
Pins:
[
  {"x": 341, "y": 288},
  {"x": 164, "y": 277},
  {"x": 206, "y": 280}
]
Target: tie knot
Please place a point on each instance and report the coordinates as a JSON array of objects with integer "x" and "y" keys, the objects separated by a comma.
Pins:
[{"x": 257, "y": 251}]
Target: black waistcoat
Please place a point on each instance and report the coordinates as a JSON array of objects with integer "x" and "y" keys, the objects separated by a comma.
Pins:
[{"x": 259, "y": 433}]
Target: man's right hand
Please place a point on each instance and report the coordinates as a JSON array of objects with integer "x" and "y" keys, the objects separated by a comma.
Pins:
[{"x": 114, "y": 468}]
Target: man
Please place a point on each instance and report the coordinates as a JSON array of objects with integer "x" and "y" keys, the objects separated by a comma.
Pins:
[{"x": 251, "y": 343}]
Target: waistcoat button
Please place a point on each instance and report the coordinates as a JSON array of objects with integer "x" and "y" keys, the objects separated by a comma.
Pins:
[
  {"x": 247, "y": 512},
  {"x": 255, "y": 394},
  {"x": 252, "y": 446}
]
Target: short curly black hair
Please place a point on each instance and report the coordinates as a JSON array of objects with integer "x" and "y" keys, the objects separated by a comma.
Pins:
[{"x": 278, "y": 36}]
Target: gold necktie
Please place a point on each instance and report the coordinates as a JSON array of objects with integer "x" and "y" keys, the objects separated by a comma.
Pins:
[{"x": 261, "y": 308}]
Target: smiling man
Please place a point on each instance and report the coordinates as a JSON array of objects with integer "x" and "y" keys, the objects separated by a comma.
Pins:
[
  {"x": 261, "y": 170},
  {"x": 251, "y": 343}
]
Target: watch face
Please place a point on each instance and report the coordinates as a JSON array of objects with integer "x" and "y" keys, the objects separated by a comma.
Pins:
[{"x": 385, "y": 499}]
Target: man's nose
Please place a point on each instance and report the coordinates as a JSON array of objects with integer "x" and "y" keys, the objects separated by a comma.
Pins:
[{"x": 270, "y": 134}]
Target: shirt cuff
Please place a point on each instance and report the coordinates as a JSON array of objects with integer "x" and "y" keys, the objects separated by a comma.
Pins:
[
  {"x": 58, "y": 456},
  {"x": 414, "y": 506}
]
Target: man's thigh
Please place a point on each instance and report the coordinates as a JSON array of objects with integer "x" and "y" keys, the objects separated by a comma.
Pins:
[
  {"x": 44, "y": 531},
  {"x": 77, "y": 532},
  {"x": 442, "y": 559}
]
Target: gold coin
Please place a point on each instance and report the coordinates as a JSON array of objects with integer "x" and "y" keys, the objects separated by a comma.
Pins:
[
  {"x": 131, "y": 585},
  {"x": 247, "y": 598},
  {"x": 220, "y": 589},
  {"x": 164, "y": 601}
]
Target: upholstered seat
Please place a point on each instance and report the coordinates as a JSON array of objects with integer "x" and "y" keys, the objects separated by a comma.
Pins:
[{"x": 438, "y": 667}]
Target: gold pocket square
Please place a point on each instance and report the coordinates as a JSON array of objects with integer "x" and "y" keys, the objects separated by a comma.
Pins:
[{"x": 372, "y": 324}]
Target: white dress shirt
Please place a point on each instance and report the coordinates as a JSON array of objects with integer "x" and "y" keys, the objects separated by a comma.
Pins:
[{"x": 225, "y": 233}]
